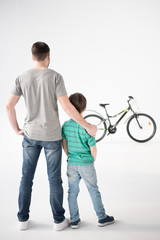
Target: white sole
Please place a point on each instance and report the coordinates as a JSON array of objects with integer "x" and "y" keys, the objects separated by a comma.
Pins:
[
  {"x": 61, "y": 226},
  {"x": 23, "y": 225},
  {"x": 76, "y": 226},
  {"x": 105, "y": 224}
]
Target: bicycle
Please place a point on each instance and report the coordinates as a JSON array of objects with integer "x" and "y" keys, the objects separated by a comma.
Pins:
[{"x": 140, "y": 127}]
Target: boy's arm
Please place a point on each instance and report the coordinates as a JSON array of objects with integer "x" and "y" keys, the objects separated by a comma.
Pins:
[
  {"x": 94, "y": 152},
  {"x": 65, "y": 146}
]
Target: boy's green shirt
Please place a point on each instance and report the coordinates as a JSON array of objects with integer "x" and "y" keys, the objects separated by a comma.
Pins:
[{"x": 79, "y": 143}]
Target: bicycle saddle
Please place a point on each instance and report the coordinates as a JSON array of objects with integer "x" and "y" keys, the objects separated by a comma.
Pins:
[{"x": 103, "y": 105}]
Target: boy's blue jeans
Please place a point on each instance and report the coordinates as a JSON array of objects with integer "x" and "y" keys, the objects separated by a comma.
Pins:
[
  {"x": 31, "y": 152},
  {"x": 88, "y": 174}
]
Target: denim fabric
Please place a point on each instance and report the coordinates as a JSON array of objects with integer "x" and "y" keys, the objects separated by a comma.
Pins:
[
  {"x": 31, "y": 152},
  {"x": 88, "y": 173}
]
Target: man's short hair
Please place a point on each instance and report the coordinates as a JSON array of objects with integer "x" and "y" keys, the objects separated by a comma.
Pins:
[
  {"x": 40, "y": 50},
  {"x": 78, "y": 101}
]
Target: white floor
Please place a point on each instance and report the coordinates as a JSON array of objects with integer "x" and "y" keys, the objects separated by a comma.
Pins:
[{"x": 129, "y": 181}]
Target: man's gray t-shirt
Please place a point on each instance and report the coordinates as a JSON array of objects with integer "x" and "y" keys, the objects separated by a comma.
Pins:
[{"x": 40, "y": 89}]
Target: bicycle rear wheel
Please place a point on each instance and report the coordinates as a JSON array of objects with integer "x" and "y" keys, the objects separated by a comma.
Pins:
[
  {"x": 141, "y": 127},
  {"x": 101, "y": 125}
]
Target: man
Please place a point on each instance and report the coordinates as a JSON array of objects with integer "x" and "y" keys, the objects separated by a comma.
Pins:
[{"x": 41, "y": 88}]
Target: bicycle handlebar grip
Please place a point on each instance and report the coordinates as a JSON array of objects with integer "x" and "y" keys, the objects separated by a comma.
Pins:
[{"x": 131, "y": 97}]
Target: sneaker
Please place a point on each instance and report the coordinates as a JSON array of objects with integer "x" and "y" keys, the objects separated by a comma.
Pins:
[
  {"x": 76, "y": 224},
  {"x": 23, "y": 225},
  {"x": 106, "y": 221},
  {"x": 62, "y": 225}
]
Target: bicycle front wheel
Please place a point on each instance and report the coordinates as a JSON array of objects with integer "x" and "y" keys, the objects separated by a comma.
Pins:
[
  {"x": 141, "y": 127},
  {"x": 101, "y": 125}
]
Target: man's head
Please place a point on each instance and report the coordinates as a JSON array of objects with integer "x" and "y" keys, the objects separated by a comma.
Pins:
[
  {"x": 78, "y": 101},
  {"x": 40, "y": 51}
]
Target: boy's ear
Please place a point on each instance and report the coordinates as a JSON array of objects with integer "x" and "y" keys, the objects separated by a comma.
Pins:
[{"x": 33, "y": 58}]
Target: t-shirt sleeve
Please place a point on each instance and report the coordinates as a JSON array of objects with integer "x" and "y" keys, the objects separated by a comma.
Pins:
[
  {"x": 17, "y": 88},
  {"x": 91, "y": 141},
  {"x": 60, "y": 87}
]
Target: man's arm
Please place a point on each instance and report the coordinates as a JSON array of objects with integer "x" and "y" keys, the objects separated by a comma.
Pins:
[
  {"x": 10, "y": 107},
  {"x": 94, "y": 152},
  {"x": 65, "y": 146},
  {"x": 76, "y": 116}
]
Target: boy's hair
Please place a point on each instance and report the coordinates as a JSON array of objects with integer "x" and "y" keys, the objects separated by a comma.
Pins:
[
  {"x": 78, "y": 101},
  {"x": 40, "y": 50}
]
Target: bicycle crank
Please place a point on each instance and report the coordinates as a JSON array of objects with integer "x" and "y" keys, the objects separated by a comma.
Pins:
[{"x": 112, "y": 129}]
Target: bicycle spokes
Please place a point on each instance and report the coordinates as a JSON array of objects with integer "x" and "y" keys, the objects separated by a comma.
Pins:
[{"x": 141, "y": 127}]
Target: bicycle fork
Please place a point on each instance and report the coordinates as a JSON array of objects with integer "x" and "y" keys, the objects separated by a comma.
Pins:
[{"x": 136, "y": 117}]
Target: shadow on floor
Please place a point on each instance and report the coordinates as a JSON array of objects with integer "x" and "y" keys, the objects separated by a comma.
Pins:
[
  {"x": 122, "y": 226},
  {"x": 40, "y": 226}
]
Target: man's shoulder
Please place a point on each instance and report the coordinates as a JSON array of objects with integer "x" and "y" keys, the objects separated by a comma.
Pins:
[
  {"x": 26, "y": 74},
  {"x": 23, "y": 74},
  {"x": 55, "y": 73},
  {"x": 33, "y": 71}
]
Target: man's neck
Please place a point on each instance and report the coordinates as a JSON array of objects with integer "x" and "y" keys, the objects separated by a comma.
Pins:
[{"x": 40, "y": 65}]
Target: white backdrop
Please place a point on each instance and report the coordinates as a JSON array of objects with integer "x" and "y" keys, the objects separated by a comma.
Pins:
[{"x": 106, "y": 50}]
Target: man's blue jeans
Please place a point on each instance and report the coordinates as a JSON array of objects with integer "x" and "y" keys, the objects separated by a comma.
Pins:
[
  {"x": 53, "y": 153},
  {"x": 88, "y": 173}
]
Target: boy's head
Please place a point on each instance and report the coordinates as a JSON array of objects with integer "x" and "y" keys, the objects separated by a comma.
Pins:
[
  {"x": 78, "y": 101},
  {"x": 40, "y": 51}
]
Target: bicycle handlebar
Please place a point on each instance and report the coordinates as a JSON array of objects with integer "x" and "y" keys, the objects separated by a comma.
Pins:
[{"x": 130, "y": 97}]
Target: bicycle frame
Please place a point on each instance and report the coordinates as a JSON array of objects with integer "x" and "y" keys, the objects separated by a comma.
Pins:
[{"x": 125, "y": 111}]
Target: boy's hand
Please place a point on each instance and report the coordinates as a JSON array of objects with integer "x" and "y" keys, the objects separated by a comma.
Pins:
[
  {"x": 94, "y": 152},
  {"x": 65, "y": 146},
  {"x": 92, "y": 130}
]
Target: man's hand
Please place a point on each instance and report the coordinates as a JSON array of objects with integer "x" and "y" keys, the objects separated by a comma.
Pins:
[
  {"x": 20, "y": 132},
  {"x": 92, "y": 130}
]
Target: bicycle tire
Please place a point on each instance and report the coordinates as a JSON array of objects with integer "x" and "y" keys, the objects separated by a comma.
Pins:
[
  {"x": 93, "y": 121},
  {"x": 149, "y": 127}
]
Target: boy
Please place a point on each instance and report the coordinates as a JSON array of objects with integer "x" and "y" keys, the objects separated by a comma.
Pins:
[{"x": 81, "y": 150}]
